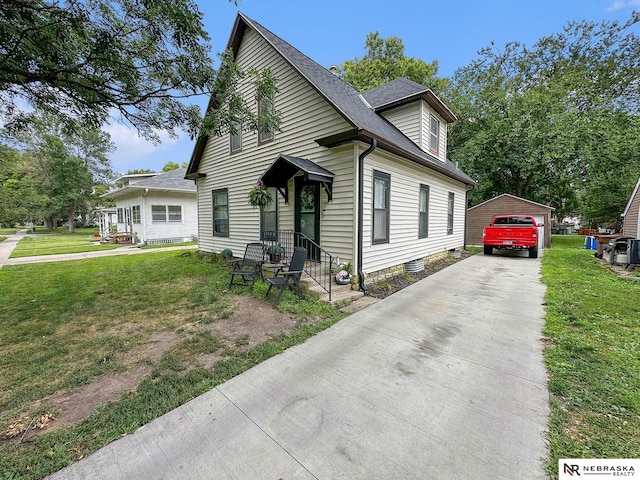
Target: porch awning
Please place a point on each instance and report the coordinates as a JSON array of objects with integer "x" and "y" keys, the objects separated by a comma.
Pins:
[{"x": 285, "y": 166}]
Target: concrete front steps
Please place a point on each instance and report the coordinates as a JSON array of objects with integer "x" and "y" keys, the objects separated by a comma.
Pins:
[{"x": 339, "y": 293}]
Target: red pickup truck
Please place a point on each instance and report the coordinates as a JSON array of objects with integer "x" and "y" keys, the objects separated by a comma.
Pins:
[{"x": 511, "y": 232}]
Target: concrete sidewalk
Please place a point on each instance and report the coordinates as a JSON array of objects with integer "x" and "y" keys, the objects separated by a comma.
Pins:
[
  {"x": 442, "y": 380},
  {"x": 7, "y": 246}
]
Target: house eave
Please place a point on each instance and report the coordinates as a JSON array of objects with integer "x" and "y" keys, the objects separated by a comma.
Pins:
[
  {"x": 428, "y": 96},
  {"x": 366, "y": 137}
]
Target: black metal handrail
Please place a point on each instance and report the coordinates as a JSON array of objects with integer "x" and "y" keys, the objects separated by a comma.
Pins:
[{"x": 319, "y": 265}]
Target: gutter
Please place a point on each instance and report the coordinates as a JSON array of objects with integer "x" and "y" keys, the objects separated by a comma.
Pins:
[{"x": 361, "y": 157}]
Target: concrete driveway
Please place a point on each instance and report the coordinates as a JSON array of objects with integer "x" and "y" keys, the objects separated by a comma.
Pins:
[{"x": 443, "y": 380}]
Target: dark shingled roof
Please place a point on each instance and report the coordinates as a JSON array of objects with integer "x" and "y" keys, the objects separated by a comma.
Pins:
[
  {"x": 402, "y": 91},
  {"x": 348, "y": 102}
]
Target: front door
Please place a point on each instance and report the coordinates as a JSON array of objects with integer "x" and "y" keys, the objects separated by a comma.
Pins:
[{"x": 307, "y": 212}]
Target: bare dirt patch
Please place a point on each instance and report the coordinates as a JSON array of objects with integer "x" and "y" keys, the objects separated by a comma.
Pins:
[{"x": 252, "y": 322}]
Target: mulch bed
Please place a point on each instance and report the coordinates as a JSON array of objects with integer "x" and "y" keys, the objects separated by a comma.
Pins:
[{"x": 391, "y": 285}]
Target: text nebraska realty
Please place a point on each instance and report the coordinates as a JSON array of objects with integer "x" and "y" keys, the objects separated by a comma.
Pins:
[{"x": 612, "y": 470}]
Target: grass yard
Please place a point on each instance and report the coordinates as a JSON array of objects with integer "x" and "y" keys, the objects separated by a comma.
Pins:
[
  {"x": 5, "y": 232},
  {"x": 592, "y": 356},
  {"x": 68, "y": 326},
  {"x": 59, "y": 241}
]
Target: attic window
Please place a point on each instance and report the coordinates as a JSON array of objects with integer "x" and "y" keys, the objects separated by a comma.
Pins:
[{"x": 434, "y": 137}]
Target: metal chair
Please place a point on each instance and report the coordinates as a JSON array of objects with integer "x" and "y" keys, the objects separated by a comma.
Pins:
[
  {"x": 249, "y": 266},
  {"x": 291, "y": 277}
]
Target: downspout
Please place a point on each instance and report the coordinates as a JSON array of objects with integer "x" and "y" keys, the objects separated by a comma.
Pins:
[{"x": 361, "y": 157}]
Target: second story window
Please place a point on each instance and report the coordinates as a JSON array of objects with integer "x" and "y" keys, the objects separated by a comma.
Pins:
[
  {"x": 434, "y": 137},
  {"x": 235, "y": 143},
  {"x": 265, "y": 108}
]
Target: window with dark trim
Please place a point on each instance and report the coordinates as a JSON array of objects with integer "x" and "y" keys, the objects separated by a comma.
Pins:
[
  {"x": 135, "y": 213},
  {"x": 450, "y": 213},
  {"x": 434, "y": 134},
  {"x": 269, "y": 218},
  {"x": 264, "y": 134},
  {"x": 381, "y": 197},
  {"x": 220, "y": 200},
  {"x": 423, "y": 212},
  {"x": 235, "y": 138}
]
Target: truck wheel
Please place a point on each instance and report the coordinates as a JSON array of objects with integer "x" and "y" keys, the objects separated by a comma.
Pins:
[
  {"x": 488, "y": 249},
  {"x": 533, "y": 252}
]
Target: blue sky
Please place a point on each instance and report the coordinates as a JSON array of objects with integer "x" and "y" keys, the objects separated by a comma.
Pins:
[{"x": 332, "y": 31}]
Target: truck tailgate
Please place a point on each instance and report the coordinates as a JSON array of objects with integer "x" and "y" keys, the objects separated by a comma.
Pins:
[{"x": 510, "y": 235}]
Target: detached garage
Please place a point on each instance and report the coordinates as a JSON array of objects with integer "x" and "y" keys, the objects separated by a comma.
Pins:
[{"x": 481, "y": 215}]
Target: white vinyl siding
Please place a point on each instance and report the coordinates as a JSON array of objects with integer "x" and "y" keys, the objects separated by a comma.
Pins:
[
  {"x": 414, "y": 120},
  {"x": 404, "y": 242},
  {"x": 408, "y": 120},
  {"x": 305, "y": 117}
]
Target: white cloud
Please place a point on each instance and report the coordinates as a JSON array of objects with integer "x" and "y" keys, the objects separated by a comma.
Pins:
[
  {"x": 620, "y": 4},
  {"x": 135, "y": 152}
]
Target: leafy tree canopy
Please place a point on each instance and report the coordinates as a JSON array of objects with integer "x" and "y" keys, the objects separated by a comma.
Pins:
[
  {"x": 130, "y": 59},
  {"x": 553, "y": 121},
  {"x": 384, "y": 60}
]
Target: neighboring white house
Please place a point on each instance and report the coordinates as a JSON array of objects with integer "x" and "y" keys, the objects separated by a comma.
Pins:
[
  {"x": 156, "y": 207},
  {"x": 363, "y": 175}
]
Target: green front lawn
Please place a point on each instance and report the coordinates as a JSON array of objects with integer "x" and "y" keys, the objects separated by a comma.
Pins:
[
  {"x": 60, "y": 241},
  {"x": 67, "y": 324},
  {"x": 592, "y": 355}
]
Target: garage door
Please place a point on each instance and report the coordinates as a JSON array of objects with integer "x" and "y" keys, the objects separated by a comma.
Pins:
[{"x": 541, "y": 227}]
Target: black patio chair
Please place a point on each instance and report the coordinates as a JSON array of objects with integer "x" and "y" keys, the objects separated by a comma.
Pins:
[
  {"x": 290, "y": 277},
  {"x": 249, "y": 266}
]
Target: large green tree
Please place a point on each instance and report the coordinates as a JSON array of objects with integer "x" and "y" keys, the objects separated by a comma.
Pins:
[
  {"x": 384, "y": 60},
  {"x": 65, "y": 164},
  {"x": 555, "y": 122},
  {"x": 134, "y": 60},
  {"x": 20, "y": 199}
]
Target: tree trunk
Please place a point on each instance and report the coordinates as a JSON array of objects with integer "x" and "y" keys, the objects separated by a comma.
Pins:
[
  {"x": 49, "y": 223},
  {"x": 72, "y": 220}
]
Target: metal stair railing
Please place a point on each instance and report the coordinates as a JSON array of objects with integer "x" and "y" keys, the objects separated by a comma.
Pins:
[{"x": 319, "y": 265}]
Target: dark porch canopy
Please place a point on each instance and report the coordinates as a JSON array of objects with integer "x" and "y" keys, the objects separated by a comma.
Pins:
[{"x": 285, "y": 166}]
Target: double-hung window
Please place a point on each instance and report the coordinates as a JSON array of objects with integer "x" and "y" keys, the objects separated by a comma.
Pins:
[
  {"x": 265, "y": 110},
  {"x": 423, "y": 212},
  {"x": 220, "y": 199},
  {"x": 381, "y": 197},
  {"x": 434, "y": 134},
  {"x": 450, "y": 213},
  {"x": 235, "y": 138},
  {"x": 120, "y": 212},
  {"x": 135, "y": 213}
]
